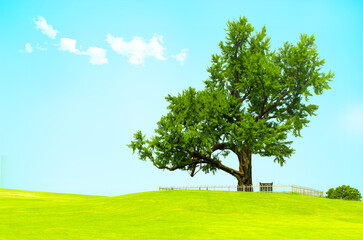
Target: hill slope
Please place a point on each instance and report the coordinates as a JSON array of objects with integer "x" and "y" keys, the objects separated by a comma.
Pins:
[{"x": 177, "y": 215}]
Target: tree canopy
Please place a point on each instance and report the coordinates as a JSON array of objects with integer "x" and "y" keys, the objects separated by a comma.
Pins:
[
  {"x": 254, "y": 98},
  {"x": 345, "y": 192}
]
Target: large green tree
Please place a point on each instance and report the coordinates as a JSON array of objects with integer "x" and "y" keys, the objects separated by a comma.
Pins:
[{"x": 252, "y": 100}]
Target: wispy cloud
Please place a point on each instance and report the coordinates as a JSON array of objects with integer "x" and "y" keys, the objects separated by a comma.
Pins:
[
  {"x": 46, "y": 28},
  {"x": 28, "y": 48},
  {"x": 137, "y": 49},
  {"x": 97, "y": 55},
  {"x": 181, "y": 56},
  {"x": 40, "y": 47},
  {"x": 67, "y": 44}
]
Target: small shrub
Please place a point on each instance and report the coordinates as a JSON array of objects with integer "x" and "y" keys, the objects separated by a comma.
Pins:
[{"x": 344, "y": 192}]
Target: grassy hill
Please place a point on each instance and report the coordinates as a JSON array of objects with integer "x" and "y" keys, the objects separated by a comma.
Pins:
[{"x": 177, "y": 215}]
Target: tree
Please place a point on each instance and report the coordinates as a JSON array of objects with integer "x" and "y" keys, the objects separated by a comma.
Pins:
[
  {"x": 252, "y": 100},
  {"x": 345, "y": 192}
]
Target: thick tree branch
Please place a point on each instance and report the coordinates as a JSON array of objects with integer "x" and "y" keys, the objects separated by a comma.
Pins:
[
  {"x": 275, "y": 104},
  {"x": 194, "y": 161},
  {"x": 218, "y": 164},
  {"x": 278, "y": 100},
  {"x": 246, "y": 95},
  {"x": 263, "y": 95},
  {"x": 199, "y": 158},
  {"x": 237, "y": 73},
  {"x": 242, "y": 100},
  {"x": 193, "y": 173},
  {"x": 263, "y": 104},
  {"x": 291, "y": 104},
  {"x": 205, "y": 159},
  {"x": 220, "y": 146}
]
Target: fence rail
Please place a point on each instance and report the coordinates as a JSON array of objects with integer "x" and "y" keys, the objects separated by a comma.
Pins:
[{"x": 275, "y": 188}]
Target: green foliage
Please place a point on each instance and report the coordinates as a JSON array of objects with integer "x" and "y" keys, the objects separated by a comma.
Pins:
[
  {"x": 344, "y": 192},
  {"x": 254, "y": 98}
]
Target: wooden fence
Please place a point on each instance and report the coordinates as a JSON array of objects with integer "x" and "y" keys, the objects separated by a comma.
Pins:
[{"x": 273, "y": 188}]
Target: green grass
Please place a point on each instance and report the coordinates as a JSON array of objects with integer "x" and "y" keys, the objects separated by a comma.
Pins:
[{"x": 177, "y": 215}]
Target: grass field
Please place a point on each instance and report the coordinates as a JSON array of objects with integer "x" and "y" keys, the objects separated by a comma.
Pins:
[{"x": 177, "y": 215}]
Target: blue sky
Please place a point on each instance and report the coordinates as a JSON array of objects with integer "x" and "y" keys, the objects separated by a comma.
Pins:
[{"x": 78, "y": 78}]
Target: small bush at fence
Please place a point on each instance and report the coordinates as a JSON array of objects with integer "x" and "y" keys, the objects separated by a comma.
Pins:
[{"x": 344, "y": 192}]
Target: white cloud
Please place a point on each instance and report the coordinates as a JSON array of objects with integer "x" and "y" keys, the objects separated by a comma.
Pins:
[
  {"x": 97, "y": 55},
  {"x": 28, "y": 48},
  {"x": 137, "y": 49},
  {"x": 353, "y": 119},
  {"x": 40, "y": 47},
  {"x": 69, "y": 45},
  {"x": 46, "y": 28},
  {"x": 181, "y": 56}
]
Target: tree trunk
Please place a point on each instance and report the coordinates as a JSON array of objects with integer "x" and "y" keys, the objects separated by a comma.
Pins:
[{"x": 245, "y": 168}]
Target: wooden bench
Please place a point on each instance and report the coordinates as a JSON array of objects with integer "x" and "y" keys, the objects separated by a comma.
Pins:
[{"x": 266, "y": 187}]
